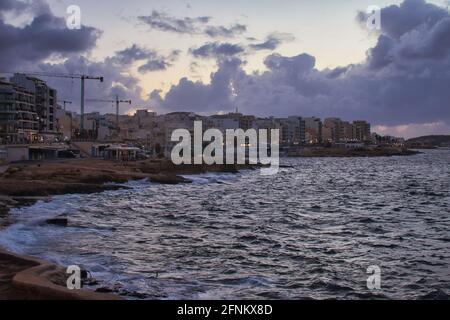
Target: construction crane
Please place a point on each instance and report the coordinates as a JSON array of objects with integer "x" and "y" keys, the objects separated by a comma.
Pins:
[
  {"x": 82, "y": 77},
  {"x": 117, "y": 101},
  {"x": 65, "y": 102}
]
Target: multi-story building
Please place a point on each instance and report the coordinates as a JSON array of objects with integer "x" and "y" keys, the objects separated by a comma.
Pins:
[
  {"x": 18, "y": 116},
  {"x": 346, "y": 133},
  {"x": 246, "y": 122},
  {"x": 313, "y": 128},
  {"x": 292, "y": 131},
  {"x": 171, "y": 122},
  {"x": 361, "y": 131},
  {"x": 46, "y": 103},
  {"x": 333, "y": 130},
  {"x": 223, "y": 122},
  {"x": 267, "y": 123},
  {"x": 145, "y": 119},
  {"x": 64, "y": 123}
]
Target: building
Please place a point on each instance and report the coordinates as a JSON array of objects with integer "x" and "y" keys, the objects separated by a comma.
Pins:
[
  {"x": 246, "y": 122},
  {"x": 161, "y": 138},
  {"x": 387, "y": 140},
  {"x": 333, "y": 130},
  {"x": 18, "y": 116},
  {"x": 361, "y": 131},
  {"x": 121, "y": 153},
  {"x": 145, "y": 118},
  {"x": 292, "y": 131},
  {"x": 46, "y": 100},
  {"x": 267, "y": 124},
  {"x": 313, "y": 128},
  {"x": 223, "y": 123},
  {"x": 64, "y": 124},
  {"x": 97, "y": 127}
]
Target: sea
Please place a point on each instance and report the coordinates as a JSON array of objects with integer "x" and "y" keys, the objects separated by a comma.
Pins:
[{"x": 316, "y": 230}]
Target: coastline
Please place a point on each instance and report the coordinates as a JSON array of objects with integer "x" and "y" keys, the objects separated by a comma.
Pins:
[
  {"x": 27, "y": 278},
  {"x": 353, "y": 153},
  {"x": 23, "y": 184}
]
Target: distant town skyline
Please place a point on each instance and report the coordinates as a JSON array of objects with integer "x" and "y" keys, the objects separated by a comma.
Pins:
[{"x": 275, "y": 58}]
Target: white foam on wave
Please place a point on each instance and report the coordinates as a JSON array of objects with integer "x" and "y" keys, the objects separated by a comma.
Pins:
[
  {"x": 207, "y": 178},
  {"x": 16, "y": 238}
]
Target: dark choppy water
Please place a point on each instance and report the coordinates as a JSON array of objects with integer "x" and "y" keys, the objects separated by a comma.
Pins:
[{"x": 309, "y": 232}]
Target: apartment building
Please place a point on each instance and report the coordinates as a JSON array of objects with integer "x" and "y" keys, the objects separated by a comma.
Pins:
[
  {"x": 361, "y": 131},
  {"x": 46, "y": 102},
  {"x": 347, "y": 132},
  {"x": 246, "y": 122},
  {"x": 18, "y": 116},
  {"x": 335, "y": 130},
  {"x": 292, "y": 131},
  {"x": 223, "y": 122},
  {"x": 313, "y": 128},
  {"x": 64, "y": 123}
]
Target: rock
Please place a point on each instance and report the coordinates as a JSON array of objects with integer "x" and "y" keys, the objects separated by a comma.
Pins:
[
  {"x": 168, "y": 179},
  {"x": 4, "y": 210},
  {"x": 103, "y": 290},
  {"x": 62, "y": 222}
]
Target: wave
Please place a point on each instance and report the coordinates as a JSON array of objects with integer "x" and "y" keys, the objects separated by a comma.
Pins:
[{"x": 208, "y": 178}]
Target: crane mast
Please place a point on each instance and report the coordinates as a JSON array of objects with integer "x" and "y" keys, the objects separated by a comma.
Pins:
[
  {"x": 117, "y": 101},
  {"x": 82, "y": 77}
]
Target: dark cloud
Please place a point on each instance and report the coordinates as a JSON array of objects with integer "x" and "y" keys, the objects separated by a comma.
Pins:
[
  {"x": 273, "y": 41},
  {"x": 338, "y": 72},
  {"x": 225, "y": 32},
  {"x": 11, "y": 6},
  {"x": 117, "y": 80},
  {"x": 133, "y": 53},
  {"x": 413, "y": 31},
  {"x": 432, "y": 43},
  {"x": 295, "y": 65},
  {"x": 153, "y": 60},
  {"x": 159, "y": 63},
  {"x": 197, "y": 96},
  {"x": 381, "y": 55},
  {"x": 44, "y": 37},
  {"x": 223, "y": 50},
  {"x": 408, "y": 16},
  {"x": 217, "y": 50},
  {"x": 163, "y": 22},
  {"x": 193, "y": 26},
  {"x": 403, "y": 81}
]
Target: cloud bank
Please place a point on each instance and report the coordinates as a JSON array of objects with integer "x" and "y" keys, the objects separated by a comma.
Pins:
[
  {"x": 402, "y": 85},
  {"x": 161, "y": 21},
  {"x": 45, "y": 37},
  {"x": 404, "y": 80}
]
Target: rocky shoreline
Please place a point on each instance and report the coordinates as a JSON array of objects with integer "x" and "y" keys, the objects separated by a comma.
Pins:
[
  {"x": 26, "y": 183},
  {"x": 23, "y": 184}
]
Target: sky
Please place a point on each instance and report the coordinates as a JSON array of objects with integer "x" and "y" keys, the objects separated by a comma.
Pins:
[{"x": 266, "y": 57}]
